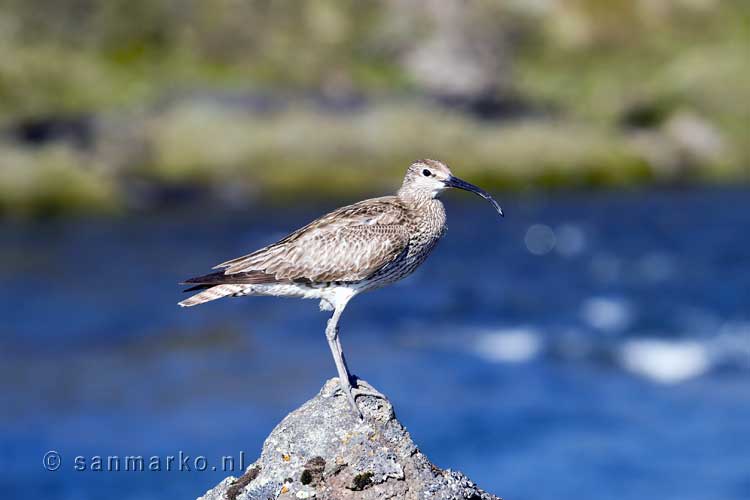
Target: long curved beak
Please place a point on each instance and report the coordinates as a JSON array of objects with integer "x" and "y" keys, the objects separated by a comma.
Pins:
[{"x": 466, "y": 186}]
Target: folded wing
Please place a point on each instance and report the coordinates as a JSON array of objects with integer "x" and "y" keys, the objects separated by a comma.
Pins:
[{"x": 349, "y": 244}]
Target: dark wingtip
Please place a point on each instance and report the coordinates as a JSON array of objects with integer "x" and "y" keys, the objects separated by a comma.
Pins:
[{"x": 210, "y": 278}]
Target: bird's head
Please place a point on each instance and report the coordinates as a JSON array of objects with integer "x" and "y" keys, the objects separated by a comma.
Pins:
[{"x": 429, "y": 178}]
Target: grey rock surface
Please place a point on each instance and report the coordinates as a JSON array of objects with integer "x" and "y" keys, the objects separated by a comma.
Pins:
[{"x": 323, "y": 451}]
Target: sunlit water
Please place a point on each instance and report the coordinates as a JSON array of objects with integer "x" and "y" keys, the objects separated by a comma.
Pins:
[{"x": 586, "y": 346}]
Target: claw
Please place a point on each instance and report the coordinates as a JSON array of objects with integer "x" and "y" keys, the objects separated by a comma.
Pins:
[
  {"x": 346, "y": 387},
  {"x": 362, "y": 389},
  {"x": 366, "y": 391},
  {"x": 351, "y": 396}
]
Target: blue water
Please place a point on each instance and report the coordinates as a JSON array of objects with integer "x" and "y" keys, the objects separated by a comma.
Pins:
[{"x": 586, "y": 346}]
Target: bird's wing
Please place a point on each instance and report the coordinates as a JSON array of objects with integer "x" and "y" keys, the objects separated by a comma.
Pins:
[{"x": 348, "y": 244}]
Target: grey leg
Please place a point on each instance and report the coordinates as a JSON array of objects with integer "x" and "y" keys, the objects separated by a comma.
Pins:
[
  {"x": 332, "y": 334},
  {"x": 361, "y": 389}
]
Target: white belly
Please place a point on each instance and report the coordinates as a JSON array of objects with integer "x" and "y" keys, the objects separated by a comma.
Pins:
[{"x": 329, "y": 295}]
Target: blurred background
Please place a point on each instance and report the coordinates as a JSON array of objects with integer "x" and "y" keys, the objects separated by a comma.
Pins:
[{"x": 595, "y": 342}]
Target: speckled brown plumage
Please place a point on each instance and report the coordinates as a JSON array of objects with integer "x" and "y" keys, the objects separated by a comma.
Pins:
[
  {"x": 348, "y": 244},
  {"x": 341, "y": 254}
]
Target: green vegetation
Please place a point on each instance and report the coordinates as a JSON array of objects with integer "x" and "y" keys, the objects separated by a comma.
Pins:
[{"x": 316, "y": 99}]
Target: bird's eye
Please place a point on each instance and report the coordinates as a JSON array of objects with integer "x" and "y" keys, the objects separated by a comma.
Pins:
[{"x": 426, "y": 173}]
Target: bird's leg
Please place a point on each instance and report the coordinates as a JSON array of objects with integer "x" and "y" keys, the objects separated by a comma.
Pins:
[
  {"x": 361, "y": 389},
  {"x": 332, "y": 334}
]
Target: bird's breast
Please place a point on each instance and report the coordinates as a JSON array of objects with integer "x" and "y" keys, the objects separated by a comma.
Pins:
[{"x": 428, "y": 227}]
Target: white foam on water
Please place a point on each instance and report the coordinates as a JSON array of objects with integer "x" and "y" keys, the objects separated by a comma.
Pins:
[
  {"x": 607, "y": 314},
  {"x": 666, "y": 362},
  {"x": 511, "y": 345}
]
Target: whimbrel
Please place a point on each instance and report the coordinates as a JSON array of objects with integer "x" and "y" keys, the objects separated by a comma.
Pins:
[{"x": 351, "y": 250}]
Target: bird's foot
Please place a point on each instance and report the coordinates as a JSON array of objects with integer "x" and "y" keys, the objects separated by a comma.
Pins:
[
  {"x": 346, "y": 388},
  {"x": 352, "y": 393},
  {"x": 365, "y": 389},
  {"x": 362, "y": 389}
]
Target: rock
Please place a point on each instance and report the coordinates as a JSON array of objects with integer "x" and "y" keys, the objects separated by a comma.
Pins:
[{"x": 323, "y": 451}]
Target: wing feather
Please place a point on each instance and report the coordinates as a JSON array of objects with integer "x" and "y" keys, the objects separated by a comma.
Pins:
[{"x": 349, "y": 244}]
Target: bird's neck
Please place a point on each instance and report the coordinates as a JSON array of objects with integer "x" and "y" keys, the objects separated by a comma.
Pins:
[{"x": 414, "y": 197}]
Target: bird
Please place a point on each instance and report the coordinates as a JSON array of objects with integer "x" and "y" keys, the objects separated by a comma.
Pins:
[{"x": 351, "y": 250}]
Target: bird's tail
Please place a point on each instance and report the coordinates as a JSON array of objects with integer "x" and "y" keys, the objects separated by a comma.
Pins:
[{"x": 212, "y": 293}]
